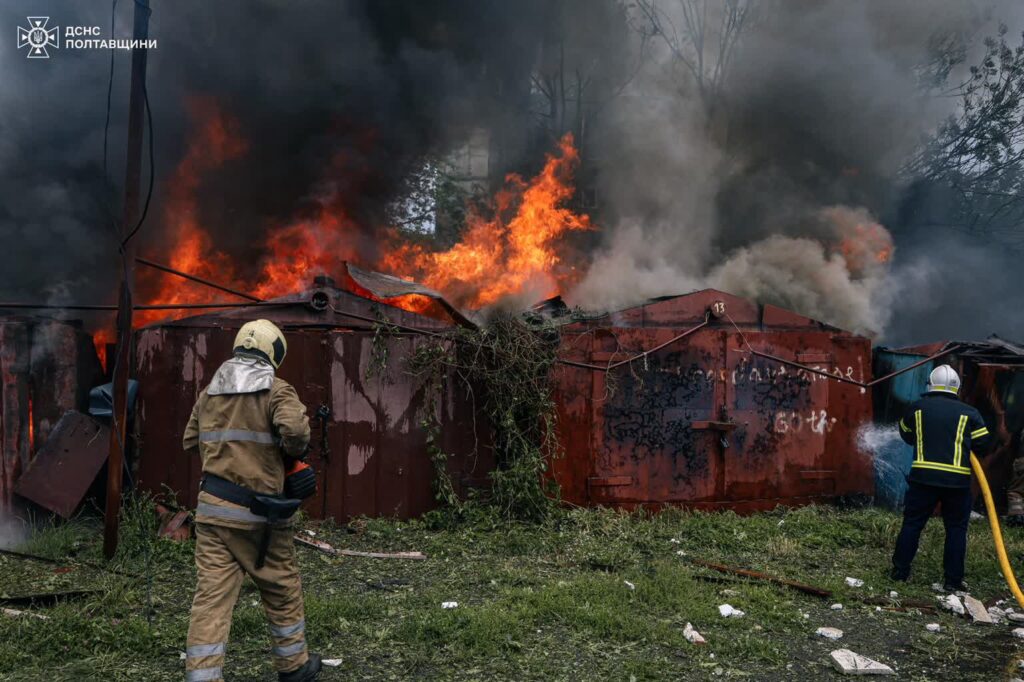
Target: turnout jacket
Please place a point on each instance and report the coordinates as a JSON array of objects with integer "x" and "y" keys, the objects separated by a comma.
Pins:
[
  {"x": 242, "y": 423},
  {"x": 943, "y": 431}
]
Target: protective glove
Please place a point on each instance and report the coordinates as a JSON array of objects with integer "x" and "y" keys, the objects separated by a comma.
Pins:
[{"x": 299, "y": 481}]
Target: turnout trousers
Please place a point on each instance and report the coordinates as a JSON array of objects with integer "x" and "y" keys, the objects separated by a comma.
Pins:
[
  {"x": 918, "y": 505},
  {"x": 224, "y": 556}
]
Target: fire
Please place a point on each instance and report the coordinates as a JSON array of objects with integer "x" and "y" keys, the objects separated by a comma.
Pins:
[
  {"x": 216, "y": 142},
  {"x": 520, "y": 249},
  {"x": 31, "y": 427},
  {"x": 516, "y": 250},
  {"x": 100, "y": 338},
  {"x": 303, "y": 249},
  {"x": 863, "y": 243}
]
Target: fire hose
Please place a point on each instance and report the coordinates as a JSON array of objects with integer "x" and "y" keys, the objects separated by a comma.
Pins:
[{"x": 997, "y": 533}]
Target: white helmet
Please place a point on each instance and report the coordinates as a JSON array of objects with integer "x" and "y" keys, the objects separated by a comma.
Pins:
[
  {"x": 943, "y": 379},
  {"x": 261, "y": 339}
]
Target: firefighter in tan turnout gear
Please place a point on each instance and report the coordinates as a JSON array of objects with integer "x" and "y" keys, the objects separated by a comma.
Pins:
[{"x": 252, "y": 433}]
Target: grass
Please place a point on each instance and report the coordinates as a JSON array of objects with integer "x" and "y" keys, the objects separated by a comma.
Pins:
[{"x": 536, "y": 602}]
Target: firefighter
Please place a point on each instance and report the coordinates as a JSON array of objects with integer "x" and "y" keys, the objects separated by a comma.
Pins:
[
  {"x": 250, "y": 428},
  {"x": 943, "y": 431}
]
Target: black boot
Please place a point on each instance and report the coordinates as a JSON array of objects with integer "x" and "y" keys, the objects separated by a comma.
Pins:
[
  {"x": 955, "y": 586},
  {"x": 899, "y": 575},
  {"x": 306, "y": 673}
]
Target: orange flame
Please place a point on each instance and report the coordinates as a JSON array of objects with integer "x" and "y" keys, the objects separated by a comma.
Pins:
[
  {"x": 100, "y": 338},
  {"x": 519, "y": 249},
  {"x": 869, "y": 244},
  {"x": 216, "y": 142},
  {"x": 31, "y": 428},
  {"x": 503, "y": 255}
]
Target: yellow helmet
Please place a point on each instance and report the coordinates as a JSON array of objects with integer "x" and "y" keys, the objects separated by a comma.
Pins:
[{"x": 261, "y": 339}]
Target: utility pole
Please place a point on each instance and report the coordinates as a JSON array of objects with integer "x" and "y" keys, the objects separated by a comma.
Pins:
[{"x": 126, "y": 265}]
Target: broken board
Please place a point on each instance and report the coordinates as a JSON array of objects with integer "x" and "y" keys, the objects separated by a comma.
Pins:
[{"x": 62, "y": 471}]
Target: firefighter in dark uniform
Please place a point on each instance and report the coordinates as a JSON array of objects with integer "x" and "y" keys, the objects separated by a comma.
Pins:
[{"x": 943, "y": 431}]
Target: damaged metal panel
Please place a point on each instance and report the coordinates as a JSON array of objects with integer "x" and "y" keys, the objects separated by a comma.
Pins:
[
  {"x": 66, "y": 465},
  {"x": 47, "y": 368},
  {"x": 371, "y": 452},
  {"x": 702, "y": 422}
]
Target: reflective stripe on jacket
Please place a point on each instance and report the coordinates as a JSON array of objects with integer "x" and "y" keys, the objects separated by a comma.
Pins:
[
  {"x": 241, "y": 437},
  {"x": 943, "y": 431}
]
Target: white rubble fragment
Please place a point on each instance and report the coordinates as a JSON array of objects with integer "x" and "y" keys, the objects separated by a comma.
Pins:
[
  {"x": 952, "y": 603},
  {"x": 674, "y": 541},
  {"x": 15, "y": 613},
  {"x": 893, "y": 594},
  {"x": 977, "y": 610},
  {"x": 1018, "y": 633},
  {"x": 836, "y": 607},
  {"x": 806, "y": 616},
  {"x": 629, "y": 585},
  {"x": 829, "y": 633},
  {"x": 997, "y": 614},
  {"x": 1015, "y": 617},
  {"x": 932, "y": 627},
  {"x": 331, "y": 662},
  {"x": 854, "y": 582},
  {"x": 182, "y": 656},
  {"x": 878, "y": 608},
  {"x": 975, "y": 516},
  {"x": 680, "y": 552},
  {"x": 449, "y": 604},
  {"x": 727, "y": 611},
  {"x": 850, "y": 663},
  {"x": 729, "y": 593},
  {"x": 310, "y": 533},
  {"x": 937, "y": 587},
  {"x": 692, "y": 636}
]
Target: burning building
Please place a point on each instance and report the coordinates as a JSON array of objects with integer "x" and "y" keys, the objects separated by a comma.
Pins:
[
  {"x": 702, "y": 422},
  {"x": 48, "y": 368},
  {"x": 369, "y": 447}
]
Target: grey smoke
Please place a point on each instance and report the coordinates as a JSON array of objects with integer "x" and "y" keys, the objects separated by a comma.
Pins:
[
  {"x": 822, "y": 103},
  {"x": 824, "y": 106}
]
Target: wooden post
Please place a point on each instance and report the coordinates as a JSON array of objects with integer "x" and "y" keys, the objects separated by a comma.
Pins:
[{"x": 126, "y": 266}]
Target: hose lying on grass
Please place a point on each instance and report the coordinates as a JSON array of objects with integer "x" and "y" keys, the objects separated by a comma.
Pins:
[{"x": 997, "y": 533}]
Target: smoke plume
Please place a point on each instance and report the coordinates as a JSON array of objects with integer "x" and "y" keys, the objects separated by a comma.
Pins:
[{"x": 775, "y": 173}]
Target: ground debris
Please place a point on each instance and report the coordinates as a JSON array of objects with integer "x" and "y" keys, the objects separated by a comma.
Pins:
[
  {"x": 728, "y": 611},
  {"x": 829, "y": 633},
  {"x": 854, "y": 582},
  {"x": 952, "y": 603},
  {"x": 807, "y": 589},
  {"x": 15, "y": 613},
  {"x": 850, "y": 663},
  {"x": 692, "y": 636},
  {"x": 977, "y": 610},
  {"x": 324, "y": 547}
]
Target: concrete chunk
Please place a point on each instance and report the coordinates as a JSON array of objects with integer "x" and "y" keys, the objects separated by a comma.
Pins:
[
  {"x": 850, "y": 663},
  {"x": 829, "y": 633},
  {"x": 977, "y": 610}
]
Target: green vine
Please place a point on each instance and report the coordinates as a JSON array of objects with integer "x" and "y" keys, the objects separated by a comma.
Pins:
[{"x": 506, "y": 366}]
